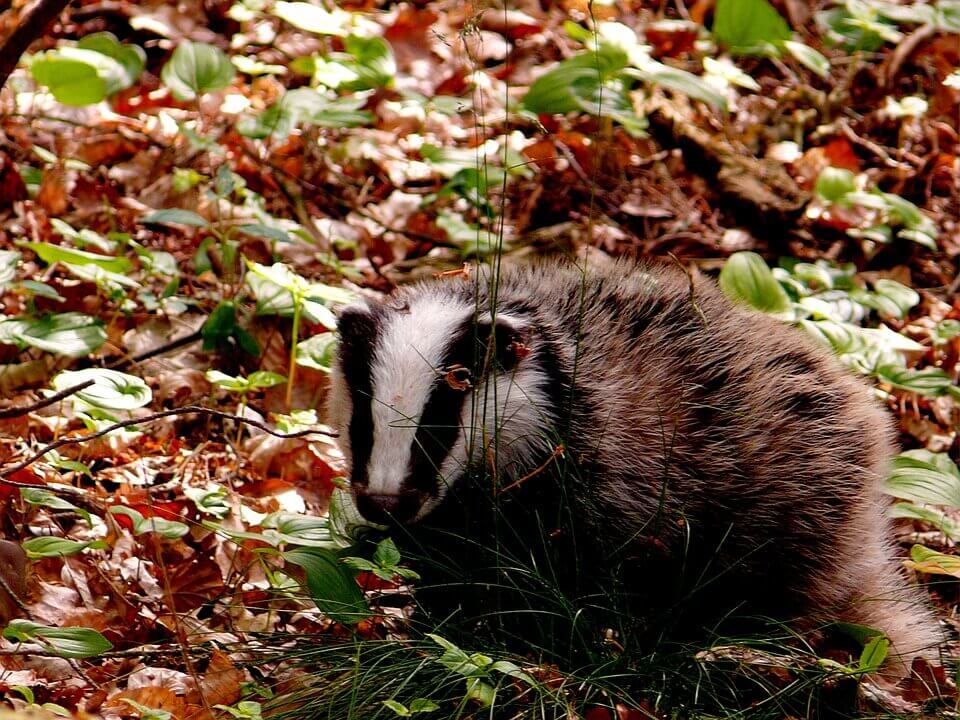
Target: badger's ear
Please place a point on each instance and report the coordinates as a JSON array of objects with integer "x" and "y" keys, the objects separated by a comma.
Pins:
[{"x": 505, "y": 336}]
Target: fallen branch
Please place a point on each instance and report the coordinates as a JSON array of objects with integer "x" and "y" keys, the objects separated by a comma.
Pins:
[
  {"x": 30, "y": 27},
  {"x": 20, "y": 410},
  {"x": 187, "y": 410}
]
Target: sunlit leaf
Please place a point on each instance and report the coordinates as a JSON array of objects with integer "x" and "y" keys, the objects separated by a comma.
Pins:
[
  {"x": 924, "y": 477},
  {"x": 331, "y": 585},
  {"x": 68, "y": 642},
  {"x": 111, "y": 389},
  {"x": 749, "y": 27},
  {"x": 747, "y": 279},
  {"x": 196, "y": 68}
]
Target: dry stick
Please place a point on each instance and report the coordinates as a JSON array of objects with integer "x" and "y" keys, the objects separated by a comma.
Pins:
[
  {"x": 30, "y": 27},
  {"x": 186, "y": 410},
  {"x": 50, "y": 400},
  {"x": 557, "y": 452},
  {"x": 160, "y": 350}
]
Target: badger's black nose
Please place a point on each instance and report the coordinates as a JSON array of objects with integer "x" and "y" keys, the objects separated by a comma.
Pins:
[{"x": 386, "y": 509}]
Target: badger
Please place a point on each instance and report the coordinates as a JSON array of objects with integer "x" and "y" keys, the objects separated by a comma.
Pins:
[{"x": 630, "y": 433}]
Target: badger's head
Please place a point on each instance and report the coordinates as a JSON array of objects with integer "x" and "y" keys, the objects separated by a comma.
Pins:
[{"x": 426, "y": 388}]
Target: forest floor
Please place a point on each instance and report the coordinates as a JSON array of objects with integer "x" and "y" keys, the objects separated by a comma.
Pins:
[{"x": 188, "y": 192}]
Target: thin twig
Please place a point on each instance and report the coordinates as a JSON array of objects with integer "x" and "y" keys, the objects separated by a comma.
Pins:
[
  {"x": 557, "y": 452},
  {"x": 160, "y": 350},
  {"x": 51, "y": 400},
  {"x": 187, "y": 410}
]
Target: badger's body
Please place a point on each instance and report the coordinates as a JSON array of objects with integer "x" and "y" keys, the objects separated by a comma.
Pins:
[{"x": 643, "y": 438}]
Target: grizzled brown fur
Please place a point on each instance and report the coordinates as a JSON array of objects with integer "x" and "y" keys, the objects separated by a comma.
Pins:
[{"x": 720, "y": 456}]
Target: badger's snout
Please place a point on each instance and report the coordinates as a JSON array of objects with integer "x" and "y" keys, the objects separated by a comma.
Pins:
[{"x": 387, "y": 509}]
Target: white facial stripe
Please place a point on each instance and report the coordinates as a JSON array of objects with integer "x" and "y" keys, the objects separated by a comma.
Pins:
[{"x": 411, "y": 348}]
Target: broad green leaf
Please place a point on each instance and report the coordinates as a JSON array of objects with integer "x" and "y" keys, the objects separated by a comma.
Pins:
[
  {"x": 929, "y": 561},
  {"x": 835, "y": 183},
  {"x": 170, "y": 529},
  {"x": 929, "y": 382},
  {"x": 808, "y": 57},
  {"x": 749, "y": 27},
  {"x": 196, "y": 68},
  {"x": 315, "y": 19},
  {"x": 60, "y": 253},
  {"x": 904, "y": 298},
  {"x": 317, "y": 352},
  {"x": 41, "y": 547},
  {"x": 68, "y": 642},
  {"x": 746, "y": 279},
  {"x": 874, "y": 653},
  {"x": 471, "y": 240},
  {"x": 175, "y": 216},
  {"x": 211, "y": 500},
  {"x": 130, "y": 57},
  {"x": 45, "y": 498},
  {"x": 574, "y": 84},
  {"x": 71, "y": 334},
  {"x": 931, "y": 516},
  {"x": 84, "y": 237},
  {"x": 111, "y": 389},
  {"x": 924, "y": 477},
  {"x": 691, "y": 85},
  {"x": 70, "y": 80},
  {"x": 9, "y": 260},
  {"x": 331, "y": 585}
]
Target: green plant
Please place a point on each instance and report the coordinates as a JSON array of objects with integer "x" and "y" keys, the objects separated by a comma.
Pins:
[{"x": 97, "y": 67}]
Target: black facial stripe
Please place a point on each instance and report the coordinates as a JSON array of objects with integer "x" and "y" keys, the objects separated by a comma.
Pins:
[
  {"x": 440, "y": 421},
  {"x": 358, "y": 337}
]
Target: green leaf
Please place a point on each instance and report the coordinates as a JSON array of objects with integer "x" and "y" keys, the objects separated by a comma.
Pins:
[
  {"x": 175, "y": 216},
  {"x": 211, "y": 500},
  {"x": 71, "y": 81},
  {"x": 928, "y": 515},
  {"x": 574, "y": 84},
  {"x": 749, "y": 27},
  {"x": 808, "y": 57},
  {"x": 45, "y": 498},
  {"x": 316, "y": 19},
  {"x": 71, "y": 334},
  {"x": 9, "y": 260},
  {"x": 169, "y": 529},
  {"x": 691, "y": 85},
  {"x": 929, "y": 382},
  {"x": 833, "y": 184},
  {"x": 111, "y": 390},
  {"x": 746, "y": 279},
  {"x": 41, "y": 547},
  {"x": 386, "y": 555},
  {"x": 874, "y": 653},
  {"x": 60, "y": 253},
  {"x": 399, "y": 709},
  {"x": 318, "y": 352},
  {"x": 924, "y": 477},
  {"x": 195, "y": 69},
  {"x": 68, "y": 642},
  {"x": 331, "y": 585},
  {"x": 130, "y": 57},
  {"x": 929, "y": 561},
  {"x": 419, "y": 705},
  {"x": 903, "y": 298}
]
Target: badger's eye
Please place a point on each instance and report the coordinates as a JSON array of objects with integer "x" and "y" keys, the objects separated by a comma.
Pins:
[{"x": 457, "y": 377}]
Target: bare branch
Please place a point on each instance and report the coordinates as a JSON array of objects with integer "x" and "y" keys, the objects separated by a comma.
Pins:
[
  {"x": 187, "y": 410},
  {"x": 51, "y": 400},
  {"x": 30, "y": 27}
]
